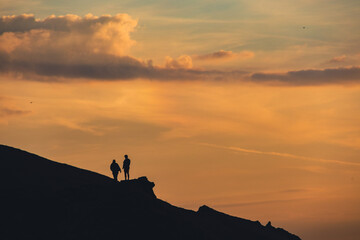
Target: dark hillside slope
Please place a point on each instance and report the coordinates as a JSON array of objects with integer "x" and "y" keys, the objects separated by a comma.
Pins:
[
  {"x": 23, "y": 169},
  {"x": 42, "y": 199}
]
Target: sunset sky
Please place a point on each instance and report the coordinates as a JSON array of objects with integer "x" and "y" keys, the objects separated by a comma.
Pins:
[{"x": 249, "y": 107}]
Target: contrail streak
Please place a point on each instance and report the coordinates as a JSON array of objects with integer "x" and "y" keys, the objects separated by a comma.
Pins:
[{"x": 288, "y": 155}]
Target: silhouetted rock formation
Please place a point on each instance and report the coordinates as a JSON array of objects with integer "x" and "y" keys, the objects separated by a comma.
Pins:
[{"x": 42, "y": 199}]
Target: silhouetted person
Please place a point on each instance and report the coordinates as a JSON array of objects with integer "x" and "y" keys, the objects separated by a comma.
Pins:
[
  {"x": 114, "y": 167},
  {"x": 126, "y": 167}
]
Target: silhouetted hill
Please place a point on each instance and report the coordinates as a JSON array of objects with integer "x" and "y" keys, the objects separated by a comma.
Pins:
[{"x": 43, "y": 199}]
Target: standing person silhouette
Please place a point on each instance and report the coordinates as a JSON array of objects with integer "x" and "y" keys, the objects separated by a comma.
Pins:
[
  {"x": 126, "y": 167},
  {"x": 114, "y": 167}
]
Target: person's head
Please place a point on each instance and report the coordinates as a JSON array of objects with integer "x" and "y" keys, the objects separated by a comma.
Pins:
[
  {"x": 126, "y": 156},
  {"x": 114, "y": 160}
]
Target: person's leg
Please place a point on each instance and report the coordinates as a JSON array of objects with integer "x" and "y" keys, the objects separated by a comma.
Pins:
[{"x": 115, "y": 174}]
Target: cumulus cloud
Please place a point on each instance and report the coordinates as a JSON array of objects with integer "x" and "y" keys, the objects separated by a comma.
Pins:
[
  {"x": 224, "y": 55},
  {"x": 69, "y": 33},
  {"x": 84, "y": 47},
  {"x": 311, "y": 77},
  {"x": 181, "y": 62},
  {"x": 91, "y": 47}
]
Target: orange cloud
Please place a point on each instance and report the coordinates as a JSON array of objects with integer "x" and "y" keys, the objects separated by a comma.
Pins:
[
  {"x": 88, "y": 47},
  {"x": 310, "y": 77},
  {"x": 224, "y": 55},
  {"x": 91, "y": 47},
  {"x": 183, "y": 61},
  {"x": 9, "y": 110},
  {"x": 4, "y": 112},
  {"x": 69, "y": 33},
  {"x": 338, "y": 59}
]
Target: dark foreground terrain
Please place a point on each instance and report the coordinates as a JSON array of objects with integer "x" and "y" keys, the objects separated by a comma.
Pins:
[{"x": 42, "y": 199}]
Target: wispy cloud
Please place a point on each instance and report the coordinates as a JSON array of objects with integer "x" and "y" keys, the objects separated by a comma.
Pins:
[
  {"x": 223, "y": 55},
  {"x": 4, "y": 112},
  {"x": 310, "y": 77},
  {"x": 78, "y": 126},
  {"x": 338, "y": 59},
  {"x": 281, "y": 154},
  {"x": 241, "y": 204}
]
